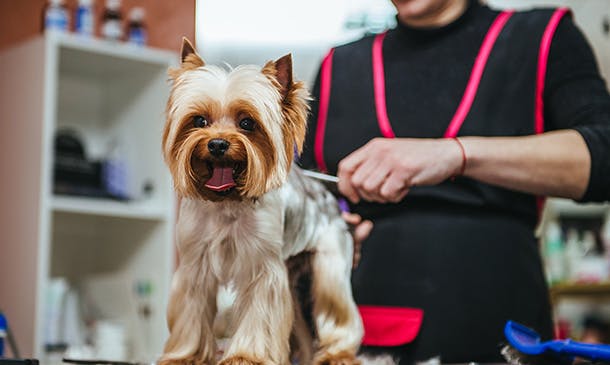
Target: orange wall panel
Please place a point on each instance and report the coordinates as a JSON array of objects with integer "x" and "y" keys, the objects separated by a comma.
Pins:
[{"x": 167, "y": 21}]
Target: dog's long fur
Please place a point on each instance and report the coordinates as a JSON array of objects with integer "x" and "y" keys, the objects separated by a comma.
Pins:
[{"x": 273, "y": 228}]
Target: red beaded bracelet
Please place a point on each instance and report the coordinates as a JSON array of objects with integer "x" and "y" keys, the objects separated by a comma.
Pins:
[{"x": 463, "y": 168}]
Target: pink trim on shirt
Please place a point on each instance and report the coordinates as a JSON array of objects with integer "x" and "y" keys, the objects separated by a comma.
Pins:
[
  {"x": 325, "y": 81},
  {"x": 379, "y": 87},
  {"x": 477, "y": 72},
  {"x": 471, "y": 89},
  {"x": 543, "y": 55},
  {"x": 390, "y": 326}
]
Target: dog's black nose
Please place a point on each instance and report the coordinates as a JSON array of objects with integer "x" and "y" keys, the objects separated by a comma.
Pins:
[{"x": 218, "y": 146}]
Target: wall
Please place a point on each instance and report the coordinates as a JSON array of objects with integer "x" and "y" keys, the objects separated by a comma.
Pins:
[{"x": 167, "y": 21}]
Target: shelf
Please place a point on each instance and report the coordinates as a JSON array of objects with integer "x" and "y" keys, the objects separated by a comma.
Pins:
[
  {"x": 102, "y": 60},
  {"x": 595, "y": 290},
  {"x": 113, "y": 49},
  {"x": 110, "y": 208},
  {"x": 569, "y": 208},
  {"x": 110, "y": 94}
]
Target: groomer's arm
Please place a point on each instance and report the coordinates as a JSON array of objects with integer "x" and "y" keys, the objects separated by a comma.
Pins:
[
  {"x": 554, "y": 164},
  {"x": 551, "y": 164}
]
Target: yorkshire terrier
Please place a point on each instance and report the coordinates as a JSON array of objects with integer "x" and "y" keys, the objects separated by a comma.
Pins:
[{"x": 250, "y": 220}]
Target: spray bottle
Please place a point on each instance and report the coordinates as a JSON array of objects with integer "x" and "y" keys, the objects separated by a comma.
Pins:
[
  {"x": 84, "y": 18},
  {"x": 56, "y": 18},
  {"x": 554, "y": 254},
  {"x": 111, "y": 27},
  {"x": 136, "y": 30}
]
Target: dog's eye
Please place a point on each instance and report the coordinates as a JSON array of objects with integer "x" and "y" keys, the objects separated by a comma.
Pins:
[
  {"x": 199, "y": 121},
  {"x": 247, "y": 124}
]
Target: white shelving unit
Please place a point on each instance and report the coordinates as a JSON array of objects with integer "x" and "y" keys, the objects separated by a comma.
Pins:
[
  {"x": 569, "y": 208},
  {"x": 108, "y": 93}
]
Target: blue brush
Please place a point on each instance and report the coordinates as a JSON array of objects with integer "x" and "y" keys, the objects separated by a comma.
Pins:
[{"x": 527, "y": 341}]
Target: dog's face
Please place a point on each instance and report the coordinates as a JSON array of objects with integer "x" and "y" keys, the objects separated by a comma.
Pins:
[{"x": 232, "y": 134}]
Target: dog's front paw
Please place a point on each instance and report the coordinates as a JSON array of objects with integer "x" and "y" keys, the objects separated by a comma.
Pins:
[
  {"x": 240, "y": 360},
  {"x": 342, "y": 358},
  {"x": 191, "y": 360}
]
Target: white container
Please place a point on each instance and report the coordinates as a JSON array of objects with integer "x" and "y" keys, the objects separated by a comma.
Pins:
[
  {"x": 85, "y": 22},
  {"x": 112, "y": 27},
  {"x": 56, "y": 18},
  {"x": 605, "y": 237},
  {"x": 554, "y": 254},
  {"x": 110, "y": 341},
  {"x": 573, "y": 253},
  {"x": 136, "y": 33},
  {"x": 55, "y": 297}
]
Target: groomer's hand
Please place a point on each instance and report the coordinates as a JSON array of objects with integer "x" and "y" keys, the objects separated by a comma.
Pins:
[
  {"x": 361, "y": 230},
  {"x": 383, "y": 170}
]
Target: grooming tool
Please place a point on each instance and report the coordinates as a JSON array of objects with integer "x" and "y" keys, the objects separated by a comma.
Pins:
[
  {"x": 330, "y": 182},
  {"x": 528, "y": 342},
  {"x": 320, "y": 176}
]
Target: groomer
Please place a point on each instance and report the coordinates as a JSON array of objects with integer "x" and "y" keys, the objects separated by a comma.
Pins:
[{"x": 447, "y": 132}]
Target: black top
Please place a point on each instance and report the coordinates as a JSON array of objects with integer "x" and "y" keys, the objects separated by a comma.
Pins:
[
  {"x": 424, "y": 61},
  {"x": 463, "y": 251}
]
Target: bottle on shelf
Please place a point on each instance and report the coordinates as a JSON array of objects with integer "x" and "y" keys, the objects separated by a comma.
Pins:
[
  {"x": 3, "y": 330},
  {"x": 111, "y": 21},
  {"x": 573, "y": 253},
  {"x": 115, "y": 173},
  {"x": 136, "y": 29},
  {"x": 56, "y": 18},
  {"x": 554, "y": 253},
  {"x": 605, "y": 238},
  {"x": 84, "y": 22}
]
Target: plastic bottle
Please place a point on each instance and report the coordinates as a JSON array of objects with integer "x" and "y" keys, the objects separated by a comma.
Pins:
[
  {"x": 115, "y": 173},
  {"x": 588, "y": 243},
  {"x": 594, "y": 267},
  {"x": 136, "y": 30},
  {"x": 84, "y": 18},
  {"x": 111, "y": 27},
  {"x": 3, "y": 330},
  {"x": 56, "y": 18},
  {"x": 573, "y": 253},
  {"x": 554, "y": 254},
  {"x": 605, "y": 237}
]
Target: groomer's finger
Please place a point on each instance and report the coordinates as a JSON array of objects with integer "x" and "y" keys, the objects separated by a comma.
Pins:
[
  {"x": 351, "y": 218},
  {"x": 361, "y": 232},
  {"x": 394, "y": 188},
  {"x": 346, "y": 189},
  {"x": 369, "y": 177},
  {"x": 345, "y": 183}
]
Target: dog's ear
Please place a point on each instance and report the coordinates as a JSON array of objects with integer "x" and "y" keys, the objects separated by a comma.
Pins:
[
  {"x": 189, "y": 59},
  {"x": 283, "y": 68},
  {"x": 281, "y": 71},
  {"x": 295, "y": 102},
  {"x": 188, "y": 56}
]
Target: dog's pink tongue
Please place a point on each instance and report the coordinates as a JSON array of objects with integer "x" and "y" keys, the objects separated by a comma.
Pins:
[{"x": 222, "y": 179}]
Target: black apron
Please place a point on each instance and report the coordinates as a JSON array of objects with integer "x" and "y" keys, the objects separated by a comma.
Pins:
[{"x": 444, "y": 269}]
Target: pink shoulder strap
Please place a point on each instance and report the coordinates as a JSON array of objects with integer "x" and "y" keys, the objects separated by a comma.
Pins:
[
  {"x": 543, "y": 55},
  {"x": 471, "y": 88},
  {"x": 379, "y": 88},
  {"x": 477, "y": 72},
  {"x": 325, "y": 81}
]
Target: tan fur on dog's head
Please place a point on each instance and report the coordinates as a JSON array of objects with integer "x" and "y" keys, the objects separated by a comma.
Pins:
[{"x": 255, "y": 117}]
